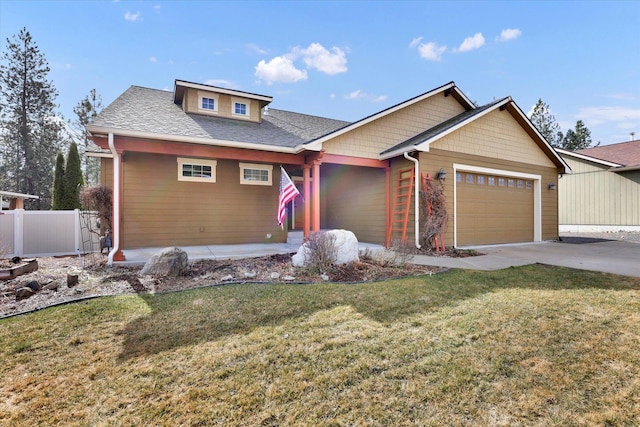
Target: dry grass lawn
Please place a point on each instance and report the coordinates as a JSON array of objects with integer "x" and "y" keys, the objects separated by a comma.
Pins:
[{"x": 527, "y": 346}]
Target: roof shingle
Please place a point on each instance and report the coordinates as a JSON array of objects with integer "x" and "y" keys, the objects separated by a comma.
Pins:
[{"x": 623, "y": 153}]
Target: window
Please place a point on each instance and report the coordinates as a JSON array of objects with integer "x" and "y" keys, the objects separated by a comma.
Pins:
[
  {"x": 255, "y": 174},
  {"x": 511, "y": 183},
  {"x": 470, "y": 178},
  {"x": 529, "y": 185},
  {"x": 458, "y": 177},
  {"x": 240, "y": 107},
  {"x": 520, "y": 183},
  {"x": 500, "y": 182},
  {"x": 480, "y": 179},
  {"x": 208, "y": 102},
  {"x": 491, "y": 180},
  {"x": 196, "y": 170}
]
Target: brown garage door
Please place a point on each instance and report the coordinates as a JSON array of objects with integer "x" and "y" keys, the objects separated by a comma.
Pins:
[{"x": 493, "y": 209}]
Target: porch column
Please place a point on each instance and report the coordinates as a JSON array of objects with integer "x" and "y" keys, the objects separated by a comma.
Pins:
[
  {"x": 387, "y": 206},
  {"x": 306, "y": 189},
  {"x": 315, "y": 194}
]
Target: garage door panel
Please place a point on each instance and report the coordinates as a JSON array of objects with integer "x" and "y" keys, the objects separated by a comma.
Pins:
[{"x": 492, "y": 210}]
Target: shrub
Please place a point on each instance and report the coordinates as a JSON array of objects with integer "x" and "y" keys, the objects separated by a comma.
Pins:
[
  {"x": 99, "y": 198},
  {"x": 321, "y": 252}
]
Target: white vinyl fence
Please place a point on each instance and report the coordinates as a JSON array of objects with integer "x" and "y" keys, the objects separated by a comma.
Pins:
[{"x": 46, "y": 233}]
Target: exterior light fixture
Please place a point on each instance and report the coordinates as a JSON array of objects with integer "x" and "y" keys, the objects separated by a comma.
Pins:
[
  {"x": 552, "y": 187},
  {"x": 441, "y": 175}
]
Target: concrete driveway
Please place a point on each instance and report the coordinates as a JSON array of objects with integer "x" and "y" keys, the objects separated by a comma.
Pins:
[{"x": 610, "y": 256}]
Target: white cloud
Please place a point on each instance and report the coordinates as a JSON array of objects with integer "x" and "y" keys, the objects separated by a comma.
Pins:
[
  {"x": 132, "y": 17},
  {"x": 359, "y": 94},
  {"x": 354, "y": 95},
  {"x": 279, "y": 69},
  {"x": 624, "y": 117},
  {"x": 415, "y": 42},
  {"x": 254, "y": 48},
  {"x": 221, "y": 83},
  {"x": 318, "y": 57},
  {"x": 431, "y": 51},
  {"x": 332, "y": 96},
  {"x": 509, "y": 34},
  {"x": 153, "y": 59},
  {"x": 157, "y": 8},
  {"x": 471, "y": 43}
]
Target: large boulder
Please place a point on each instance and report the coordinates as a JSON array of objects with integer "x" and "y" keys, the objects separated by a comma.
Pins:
[
  {"x": 345, "y": 245},
  {"x": 169, "y": 262}
]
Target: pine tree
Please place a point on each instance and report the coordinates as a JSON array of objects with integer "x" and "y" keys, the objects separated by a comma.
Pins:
[
  {"x": 546, "y": 124},
  {"x": 58, "y": 183},
  {"x": 72, "y": 179},
  {"x": 577, "y": 139},
  {"x": 85, "y": 111},
  {"x": 29, "y": 137}
]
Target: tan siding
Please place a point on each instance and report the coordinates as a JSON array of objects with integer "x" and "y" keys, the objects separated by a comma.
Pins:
[
  {"x": 192, "y": 98},
  {"x": 371, "y": 139},
  {"x": 497, "y": 134},
  {"x": 434, "y": 160},
  {"x": 106, "y": 172},
  {"x": 159, "y": 210},
  {"x": 355, "y": 201},
  {"x": 592, "y": 195}
]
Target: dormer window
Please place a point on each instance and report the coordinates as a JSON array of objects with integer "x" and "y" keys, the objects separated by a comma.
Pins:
[
  {"x": 208, "y": 102},
  {"x": 240, "y": 107}
]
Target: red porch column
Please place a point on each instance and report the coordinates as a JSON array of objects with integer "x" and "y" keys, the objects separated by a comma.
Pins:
[
  {"x": 315, "y": 194},
  {"x": 306, "y": 189},
  {"x": 387, "y": 206}
]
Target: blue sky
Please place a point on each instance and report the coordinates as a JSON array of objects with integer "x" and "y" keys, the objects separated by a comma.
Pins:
[{"x": 349, "y": 59}]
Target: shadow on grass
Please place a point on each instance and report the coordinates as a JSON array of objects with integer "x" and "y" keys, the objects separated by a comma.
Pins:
[{"x": 195, "y": 316}]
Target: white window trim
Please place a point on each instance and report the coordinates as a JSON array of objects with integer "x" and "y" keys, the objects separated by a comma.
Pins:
[
  {"x": 259, "y": 166},
  {"x": 244, "y": 101},
  {"x": 537, "y": 195},
  {"x": 203, "y": 162},
  {"x": 216, "y": 102}
]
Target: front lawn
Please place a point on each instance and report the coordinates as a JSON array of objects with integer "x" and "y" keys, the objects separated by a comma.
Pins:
[{"x": 533, "y": 345}]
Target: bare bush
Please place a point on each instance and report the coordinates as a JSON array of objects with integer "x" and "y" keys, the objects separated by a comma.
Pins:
[
  {"x": 99, "y": 198},
  {"x": 321, "y": 252},
  {"x": 398, "y": 253},
  {"x": 434, "y": 219}
]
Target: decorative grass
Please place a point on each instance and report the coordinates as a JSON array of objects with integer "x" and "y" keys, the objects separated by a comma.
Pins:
[{"x": 532, "y": 345}]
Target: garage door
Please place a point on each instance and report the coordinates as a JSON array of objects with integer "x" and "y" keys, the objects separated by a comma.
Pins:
[{"x": 493, "y": 209}]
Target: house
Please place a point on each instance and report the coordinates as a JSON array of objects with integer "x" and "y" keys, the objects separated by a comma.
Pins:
[
  {"x": 201, "y": 165},
  {"x": 10, "y": 200},
  {"x": 603, "y": 193}
]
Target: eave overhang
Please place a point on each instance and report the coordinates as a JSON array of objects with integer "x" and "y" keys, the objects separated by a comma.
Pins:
[{"x": 180, "y": 86}]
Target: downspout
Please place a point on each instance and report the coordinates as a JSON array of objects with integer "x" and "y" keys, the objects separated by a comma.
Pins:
[
  {"x": 416, "y": 198},
  {"x": 115, "y": 233}
]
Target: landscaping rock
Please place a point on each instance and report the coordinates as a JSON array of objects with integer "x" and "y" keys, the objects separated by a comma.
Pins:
[
  {"x": 345, "y": 244},
  {"x": 33, "y": 285},
  {"x": 72, "y": 280},
  {"x": 24, "y": 293},
  {"x": 169, "y": 262}
]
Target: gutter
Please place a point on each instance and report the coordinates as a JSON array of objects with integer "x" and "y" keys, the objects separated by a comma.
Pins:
[
  {"x": 416, "y": 197},
  {"x": 117, "y": 165}
]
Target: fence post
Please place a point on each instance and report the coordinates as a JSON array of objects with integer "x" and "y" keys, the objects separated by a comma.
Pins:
[
  {"x": 18, "y": 236},
  {"x": 76, "y": 221}
]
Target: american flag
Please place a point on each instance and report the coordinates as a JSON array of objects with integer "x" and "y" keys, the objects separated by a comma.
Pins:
[{"x": 288, "y": 192}]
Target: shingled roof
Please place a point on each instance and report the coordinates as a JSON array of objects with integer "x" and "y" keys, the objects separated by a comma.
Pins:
[
  {"x": 150, "y": 111},
  {"x": 623, "y": 153}
]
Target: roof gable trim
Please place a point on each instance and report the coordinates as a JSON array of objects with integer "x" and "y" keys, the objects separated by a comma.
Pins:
[{"x": 588, "y": 158}]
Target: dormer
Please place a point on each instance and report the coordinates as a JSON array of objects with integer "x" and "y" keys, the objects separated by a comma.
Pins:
[{"x": 216, "y": 101}]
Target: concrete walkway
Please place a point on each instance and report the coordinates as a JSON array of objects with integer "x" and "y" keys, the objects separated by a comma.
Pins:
[{"x": 609, "y": 256}]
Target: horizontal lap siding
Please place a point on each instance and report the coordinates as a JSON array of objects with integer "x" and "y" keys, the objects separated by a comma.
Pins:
[
  {"x": 159, "y": 210},
  {"x": 355, "y": 201},
  {"x": 434, "y": 160},
  {"x": 371, "y": 139}
]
